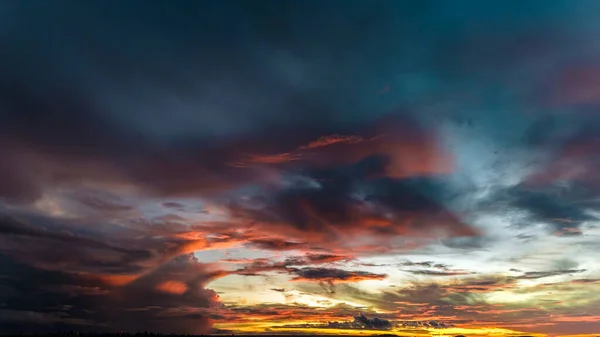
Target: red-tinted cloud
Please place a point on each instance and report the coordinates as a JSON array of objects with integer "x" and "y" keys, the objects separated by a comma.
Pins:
[
  {"x": 411, "y": 150},
  {"x": 330, "y": 140},
  {"x": 577, "y": 85},
  {"x": 173, "y": 287},
  {"x": 348, "y": 201}
]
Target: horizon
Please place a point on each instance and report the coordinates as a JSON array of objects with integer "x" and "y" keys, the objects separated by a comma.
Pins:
[{"x": 348, "y": 167}]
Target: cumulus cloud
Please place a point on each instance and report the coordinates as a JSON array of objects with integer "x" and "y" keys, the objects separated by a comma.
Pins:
[{"x": 372, "y": 323}]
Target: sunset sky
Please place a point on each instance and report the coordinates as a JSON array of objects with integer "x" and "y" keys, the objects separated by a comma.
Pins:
[{"x": 275, "y": 166}]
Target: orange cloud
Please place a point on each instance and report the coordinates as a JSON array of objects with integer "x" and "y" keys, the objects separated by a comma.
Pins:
[
  {"x": 115, "y": 280},
  {"x": 589, "y": 318},
  {"x": 268, "y": 159},
  {"x": 351, "y": 279},
  {"x": 411, "y": 151},
  {"x": 331, "y": 139},
  {"x": 172, "y": 287}
]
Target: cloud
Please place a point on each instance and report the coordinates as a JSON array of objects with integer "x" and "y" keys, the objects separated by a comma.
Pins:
[
  {"x": 440, "y": 272},
  {"x": 54, "y": 248},
  {"x": 105, "y": 203},
  {"x": 578, "y": 86},
  {"x": 290, "y": 265},
  {"x": 276, "y": 244},
  {"x": 350, "y": 200},
  {"x": 270, "y": 312},
  {"x": 171, "y": 204},
  {"x": 467, "y": 243},
  {"x": 433, "y": 269},
  {"x": 108, "y": 281},
  {"x": 431, "y": 298},
  {"x": 428, "y": 264},
  {"x": 584, "y": 281},
  {"x": 113, "y": 151},
  {"x": 295, "y": 266},
  {"x": 550, "y": 273},
  {"x": 372, "y": 323},
  {"x": 327, "y": 258},
  {"x": 331, "y": 139},
  {"x": 21, "y": 184},
  {"x": 272, "y": 118},
  {"x": 334, "y": 275},
  {"x": 560, "y": 209},
  {"x": 360, "y": 322},
  {"x": 46, "y": 300},
  {"x": 174, "y": 287}
]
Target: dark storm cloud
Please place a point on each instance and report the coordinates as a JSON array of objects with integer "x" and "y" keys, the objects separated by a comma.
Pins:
[
  {"x": 562, "y": 209},
  {"x": 149, "y": 98},
  {"x": 374, "y": 323},
  {"x": 58, "y": 274},
  {"x": 351, "y": 198},
  {"x": 49, "y": 247},
  {"x": 328, "y": 112},
  {"x": 52, "y": 244},
  {"x": 150, "y": 105},
  {"x": 129, "y": 100},
  {"x": 47, "y": 300}
]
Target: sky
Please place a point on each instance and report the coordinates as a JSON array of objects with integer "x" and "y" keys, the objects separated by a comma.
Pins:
[{"x": 335, "y": 166}]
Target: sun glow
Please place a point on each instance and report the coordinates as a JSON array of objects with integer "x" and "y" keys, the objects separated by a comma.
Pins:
[{"x": 273, "y": 327}]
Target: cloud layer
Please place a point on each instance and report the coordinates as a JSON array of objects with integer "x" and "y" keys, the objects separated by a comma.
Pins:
[{"x": 432, "y": 159}]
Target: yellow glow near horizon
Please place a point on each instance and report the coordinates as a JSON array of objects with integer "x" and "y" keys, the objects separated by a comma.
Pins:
[{"x": 275, "y": 328}]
